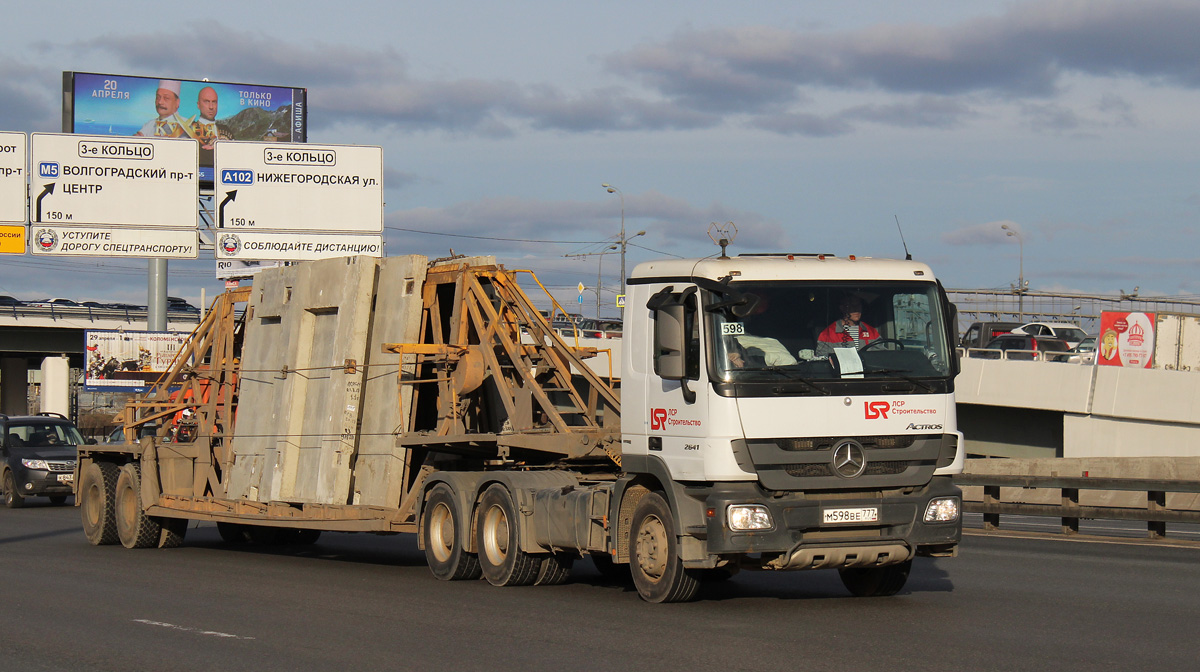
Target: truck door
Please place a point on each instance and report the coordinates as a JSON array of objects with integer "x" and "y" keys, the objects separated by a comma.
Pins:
[{"x": 677, "y": 393}]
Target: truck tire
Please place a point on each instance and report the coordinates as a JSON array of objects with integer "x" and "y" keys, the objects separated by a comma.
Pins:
[
  {"x": 658, "y": 572},
  {"x": 173, "y": 532},
  {"x": 875, "y": 581},
  {"x": 97, "y": 503},
  {"x": 555, "y": 570},
  {"x": 441, "y": 522},
  {"x": 134, "y": 527},
  {"x": 12, "y": 498},
  {"x": 500, "y": 555}
]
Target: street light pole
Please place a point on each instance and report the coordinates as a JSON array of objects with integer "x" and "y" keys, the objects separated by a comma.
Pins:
[
  {"x": 1009, "y": 231},
  {"x": 614, "y": 190}
]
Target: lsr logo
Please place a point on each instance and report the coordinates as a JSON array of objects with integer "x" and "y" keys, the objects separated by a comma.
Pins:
[
  {"x": 658, "y": 418},
  {"x": 877, "y": 409}
]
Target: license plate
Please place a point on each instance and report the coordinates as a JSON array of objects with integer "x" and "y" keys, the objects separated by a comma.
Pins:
[
  {"x": 66, "y": 478},
  {"x": 864, "y": 514}
]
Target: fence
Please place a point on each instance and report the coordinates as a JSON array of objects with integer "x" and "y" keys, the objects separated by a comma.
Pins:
[{"x": 1156, "y": 514}]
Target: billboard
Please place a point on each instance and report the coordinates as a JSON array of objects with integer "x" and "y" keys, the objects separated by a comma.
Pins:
[
  {"x": 125, "y": 105},
  {"x": 1126, "y": 339},
  {"x": 128, "y": 361}
]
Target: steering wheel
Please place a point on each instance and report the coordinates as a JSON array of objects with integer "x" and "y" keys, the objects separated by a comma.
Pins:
[{"x": 879, "y": 341}]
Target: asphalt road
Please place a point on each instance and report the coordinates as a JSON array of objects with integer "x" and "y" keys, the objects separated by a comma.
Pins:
[{"x": 365, "y": 602}]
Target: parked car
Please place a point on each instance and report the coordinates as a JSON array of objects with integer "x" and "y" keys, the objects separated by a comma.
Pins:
[
  {"x": 10, "y": 301},
  {"x": 39, "y": 453},
  {"x": 1021, "y": 346},
  {"x": 980, "y": 334},
  {"x": 1071, "y": 333},
  {"x": 55, "y": 303},
  {"x": 176, "y": 304}
]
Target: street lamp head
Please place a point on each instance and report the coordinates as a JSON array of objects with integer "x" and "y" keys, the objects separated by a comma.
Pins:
[{"x": 605, "y": 185}]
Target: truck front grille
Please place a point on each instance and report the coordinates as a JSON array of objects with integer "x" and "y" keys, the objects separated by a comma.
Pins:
[{"x": 806, "y": 463}]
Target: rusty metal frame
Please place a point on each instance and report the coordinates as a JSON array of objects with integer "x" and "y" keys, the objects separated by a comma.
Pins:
[{"x": 552, "y": 402}]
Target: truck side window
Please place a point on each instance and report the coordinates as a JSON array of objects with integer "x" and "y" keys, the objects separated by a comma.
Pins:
[{"x": 691, "y": 326}]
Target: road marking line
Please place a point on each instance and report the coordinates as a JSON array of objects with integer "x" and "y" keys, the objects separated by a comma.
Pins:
[{"x": 184, "y": 628}]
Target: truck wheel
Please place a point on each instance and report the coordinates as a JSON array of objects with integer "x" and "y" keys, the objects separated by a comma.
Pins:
[
  {"x": 500, "y": 555},
  {"x": 98, "y": 496},
  {"x": 440, "y": 524},
  {"x": 12, "y": 498},
  {"x": 875, "y": 581},
  {"x": 134, "y": 527},
  {"x": 173, "y": 532},
  {"x": 555, "y": 570},
  {"x": 233, "y": 533},
  {"x": 658, "y": 573}
]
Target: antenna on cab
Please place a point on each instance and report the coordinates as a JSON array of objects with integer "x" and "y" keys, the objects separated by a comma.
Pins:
[
  {"x": 907, "y": 256},
  {"x": 723, "y": 235}
]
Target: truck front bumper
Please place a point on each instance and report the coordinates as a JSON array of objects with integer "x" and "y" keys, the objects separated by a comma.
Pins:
[{"x": 803, "y": 536}]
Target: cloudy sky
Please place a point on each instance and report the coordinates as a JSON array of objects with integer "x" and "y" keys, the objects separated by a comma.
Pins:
[{"x": 812, "y": 126}]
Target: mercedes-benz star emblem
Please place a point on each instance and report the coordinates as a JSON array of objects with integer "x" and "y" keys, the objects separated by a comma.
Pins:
[{"x": 849, "y": 459}]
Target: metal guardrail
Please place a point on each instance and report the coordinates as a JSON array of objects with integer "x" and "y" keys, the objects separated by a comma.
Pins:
[
  {"x": 1155, "y": 514},
  {"x": 1059, "y": 356},
  {"x": 91, "y": 313}
]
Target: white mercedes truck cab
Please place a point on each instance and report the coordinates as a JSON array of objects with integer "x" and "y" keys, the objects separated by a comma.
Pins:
[{"x": 782, "y": 433}]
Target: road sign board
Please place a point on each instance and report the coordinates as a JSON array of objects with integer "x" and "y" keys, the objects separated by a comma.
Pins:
[
  {"x": 581, "y": 288},
  {"x": 102, "y": 180},
  {"x": 14, "y": 156},
  {"x": 271, "y": 186},
  {"x": 295, "y": 246},
  {"x": 12, "y": 239},
  {"x": 620, "y": 301},
  {"x": 91, "y": 241}
]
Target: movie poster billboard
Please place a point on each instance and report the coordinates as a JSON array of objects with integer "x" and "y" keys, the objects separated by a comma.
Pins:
[
  {"x": 126, "y": 105},
  {"x": 128, "y": 361},
  {"x": 1126, "y": 339}
]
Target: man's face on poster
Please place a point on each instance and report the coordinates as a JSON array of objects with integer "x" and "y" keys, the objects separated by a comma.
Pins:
[
  {"x": 166, "y": 102},
  {"x": 207, "y": 103}
]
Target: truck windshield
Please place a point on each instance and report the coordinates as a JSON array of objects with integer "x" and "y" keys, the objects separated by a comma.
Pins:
[{"x": 826, "y": 331}]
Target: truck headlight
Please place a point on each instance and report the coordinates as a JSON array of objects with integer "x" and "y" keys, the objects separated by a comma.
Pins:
[
  {"x": 35, "y": 464},
  {"x": 942, "y": 510},
  {"x": 744, "y": 517}
]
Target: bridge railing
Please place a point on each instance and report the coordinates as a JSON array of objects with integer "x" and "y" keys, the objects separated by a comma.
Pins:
[
  {"x": 1030, "y": 355},
  {"x": 1155, "y": 512}
]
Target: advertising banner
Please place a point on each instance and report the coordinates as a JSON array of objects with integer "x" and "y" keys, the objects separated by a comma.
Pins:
[
  {"x": 1126, "y": 339},
  {"x": 126, "y": 105},
  {"x": 128, "y": 361}
]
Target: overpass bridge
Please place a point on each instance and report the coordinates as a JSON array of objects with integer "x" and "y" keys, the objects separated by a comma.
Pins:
[
  {"x": 30, "y": 334},
  {"x": 1041, "y": 409}
]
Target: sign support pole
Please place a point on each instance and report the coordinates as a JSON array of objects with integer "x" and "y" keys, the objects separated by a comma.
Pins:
[{"x": 156, "y": 295}]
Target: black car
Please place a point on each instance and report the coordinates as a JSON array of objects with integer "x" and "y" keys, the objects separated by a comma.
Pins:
[{"x": 39, "y": 453}]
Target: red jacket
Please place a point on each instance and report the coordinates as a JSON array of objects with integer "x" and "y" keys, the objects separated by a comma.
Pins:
[{"x": 834, "y": 335}]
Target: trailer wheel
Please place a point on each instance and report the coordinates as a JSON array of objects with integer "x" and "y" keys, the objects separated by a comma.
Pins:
[
  {"x": 658, "y": 572},
  {"x": 876, "y": 581},
  {"x": 440, "y": 524},
  {"x": 98, "y": 496},
  {"x": 173, "y": 532},
  {"x": 12, "y": 498},
  {"x": 134, "y": 527},
  {"x": 500, "y": 555},
  {"x": 555, "y": 570}
]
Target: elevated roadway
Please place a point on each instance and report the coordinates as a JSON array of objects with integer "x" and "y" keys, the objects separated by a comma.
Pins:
[
  {"x": 1035, "y": 409},
  {"x": 29, "y": 334}
]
